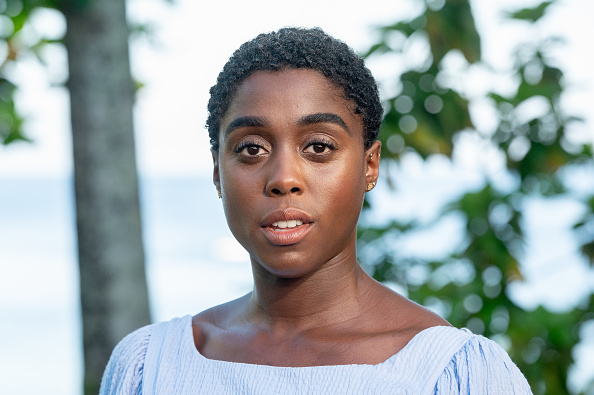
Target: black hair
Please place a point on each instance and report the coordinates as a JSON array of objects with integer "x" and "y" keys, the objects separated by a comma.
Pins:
[{"x": 298, "y": 48}]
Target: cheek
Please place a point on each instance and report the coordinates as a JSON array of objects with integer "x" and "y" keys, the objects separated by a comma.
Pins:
[
  {"x": 234, "y": 197},
  {"x": 343, "y": 190},
  {"x": 240, "y": 192}
]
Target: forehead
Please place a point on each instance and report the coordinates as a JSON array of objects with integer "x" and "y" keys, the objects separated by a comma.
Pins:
[{"x": 291, "y": 93}]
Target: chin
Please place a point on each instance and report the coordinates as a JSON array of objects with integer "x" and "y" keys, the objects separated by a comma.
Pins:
[{"x": 284, "y": 268}]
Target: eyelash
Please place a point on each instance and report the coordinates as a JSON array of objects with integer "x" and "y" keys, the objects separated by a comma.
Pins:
[
  {"x": 324, "y": 142},
  {"x": 246, "y": 144}
]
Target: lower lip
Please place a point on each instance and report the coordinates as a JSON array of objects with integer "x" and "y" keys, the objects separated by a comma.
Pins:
[{"x": 285, "y": 237}]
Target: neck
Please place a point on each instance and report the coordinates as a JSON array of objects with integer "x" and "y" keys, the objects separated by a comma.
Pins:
[{"x": 329, "y": 295}]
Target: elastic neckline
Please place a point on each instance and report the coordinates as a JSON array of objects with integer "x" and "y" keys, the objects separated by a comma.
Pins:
[{"x": 188, "y": 340}]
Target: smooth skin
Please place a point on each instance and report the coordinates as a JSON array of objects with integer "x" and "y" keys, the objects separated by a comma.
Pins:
[{"x": 291, "y": 148}]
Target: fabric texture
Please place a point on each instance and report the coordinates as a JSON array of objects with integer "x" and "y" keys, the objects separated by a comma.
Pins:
[{"x": 162, "y": 359}]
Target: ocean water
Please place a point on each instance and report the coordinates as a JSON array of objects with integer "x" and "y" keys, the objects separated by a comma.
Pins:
[{"x": 193, "y": 262}]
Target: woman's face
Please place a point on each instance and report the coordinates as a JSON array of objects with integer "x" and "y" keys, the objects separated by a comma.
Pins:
[{"x": 292, "y": 170}]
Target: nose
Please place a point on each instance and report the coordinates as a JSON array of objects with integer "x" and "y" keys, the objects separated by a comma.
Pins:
[{"x": 285, "y": 175}]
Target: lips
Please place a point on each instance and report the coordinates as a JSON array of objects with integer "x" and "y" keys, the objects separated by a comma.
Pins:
[{"x": 286, "y": 227}]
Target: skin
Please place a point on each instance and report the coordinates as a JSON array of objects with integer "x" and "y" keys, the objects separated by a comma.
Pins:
[{"x": 291, "y": 146}]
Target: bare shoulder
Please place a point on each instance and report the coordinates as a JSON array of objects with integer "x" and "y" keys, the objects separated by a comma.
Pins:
[
  {"x": 221, "y": 312},
  {"x": 217, "y": 318},
  {"x": 401, "y": 315},
  {"x": 386, "y": 324}
]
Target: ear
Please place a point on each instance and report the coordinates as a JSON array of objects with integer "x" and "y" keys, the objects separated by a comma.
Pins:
[
  {"x": 216, "y": 178},
  {"x": 372, "y": 161}
]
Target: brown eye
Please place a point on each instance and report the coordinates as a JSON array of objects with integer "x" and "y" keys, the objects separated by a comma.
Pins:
[
  {"x": 252, "y": 150},
  {"x": 319, "y": 147}
]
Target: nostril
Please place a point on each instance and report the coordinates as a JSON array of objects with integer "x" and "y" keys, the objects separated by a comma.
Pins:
[{"x": 279, "y": 191}]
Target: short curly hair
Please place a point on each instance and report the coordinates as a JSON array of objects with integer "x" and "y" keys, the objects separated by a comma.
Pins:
[{"x": 298, "y": 48}]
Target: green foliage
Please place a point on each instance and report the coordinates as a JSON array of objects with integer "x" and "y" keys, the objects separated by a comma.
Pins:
[
  {"x": 10, "y": 121},
  {"x": 14, "y": 15},
  {"x": 470, "y": 285},
  {"x": 531, "y": 14}
]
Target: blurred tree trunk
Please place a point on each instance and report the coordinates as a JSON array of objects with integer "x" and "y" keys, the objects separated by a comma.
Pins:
[{"x": 114, "y": 296}]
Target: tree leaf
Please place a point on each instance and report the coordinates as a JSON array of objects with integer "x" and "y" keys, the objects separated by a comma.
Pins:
[{"x": 531, "y": 14}]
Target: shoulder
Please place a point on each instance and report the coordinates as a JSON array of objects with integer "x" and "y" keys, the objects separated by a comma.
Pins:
[
  {"x": 136, "y": 357},
  {"x": 123, "y": 373},
  {"x": 220, "y": 316},
  {"x": 481, "y": 366},
  {"x": 406, "y": 316}
]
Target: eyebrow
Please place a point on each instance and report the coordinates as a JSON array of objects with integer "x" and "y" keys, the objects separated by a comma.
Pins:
[
  {"x": 323, "y": 117},
  {"x": 311, "y": 119},
  {"x": 245, "y": 122}
]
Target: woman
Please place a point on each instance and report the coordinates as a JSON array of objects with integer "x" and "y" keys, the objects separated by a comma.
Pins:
[{"x": 293, "y": 122}]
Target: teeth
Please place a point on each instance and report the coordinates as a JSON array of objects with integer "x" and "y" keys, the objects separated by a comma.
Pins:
[{"x": 287, "y": 224}]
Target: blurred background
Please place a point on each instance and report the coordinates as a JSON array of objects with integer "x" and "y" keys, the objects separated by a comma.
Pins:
[{"x": 484, "y": 212}]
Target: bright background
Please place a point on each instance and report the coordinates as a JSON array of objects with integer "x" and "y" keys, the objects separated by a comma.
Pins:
[{"x": 193, "y": 262}]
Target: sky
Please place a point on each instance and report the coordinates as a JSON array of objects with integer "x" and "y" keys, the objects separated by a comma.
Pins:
[{"x": 190, "y": 43}]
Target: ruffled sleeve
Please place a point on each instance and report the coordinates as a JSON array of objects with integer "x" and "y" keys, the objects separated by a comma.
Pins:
[
  {"x": 123, "y": 374},
  {"x": 481, "y": 366}
]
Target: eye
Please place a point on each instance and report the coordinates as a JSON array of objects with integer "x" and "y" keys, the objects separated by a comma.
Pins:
[
  {"x": 319, "y": 147},
  {"x": 250, "y": 149}
]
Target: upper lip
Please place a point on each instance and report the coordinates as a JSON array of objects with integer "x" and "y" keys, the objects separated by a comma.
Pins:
[{"x": 286, "y": 215}]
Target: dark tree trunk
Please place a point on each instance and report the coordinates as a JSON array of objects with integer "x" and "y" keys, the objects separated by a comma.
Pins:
[{"x": 113, "y": 289}]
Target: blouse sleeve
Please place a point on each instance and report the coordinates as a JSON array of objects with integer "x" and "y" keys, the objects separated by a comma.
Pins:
[
  {"x": 482, "y": 367},
  {"x": 123, "y": 373}
]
